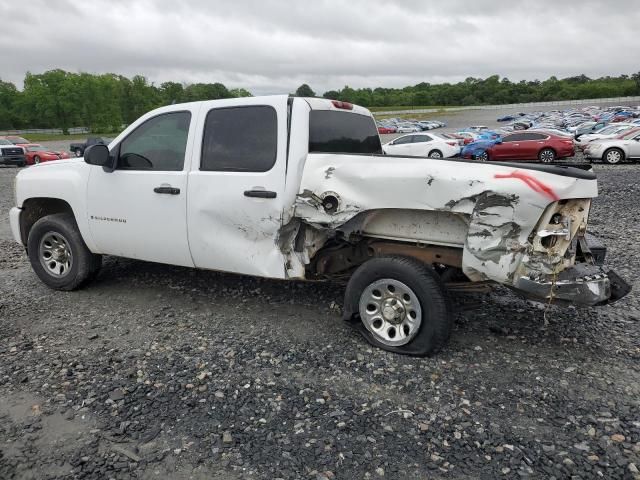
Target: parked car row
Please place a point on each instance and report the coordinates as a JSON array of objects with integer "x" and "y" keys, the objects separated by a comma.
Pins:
[
  {"x": 18, "y": 151},
  {"x": 400, "y": 125}
]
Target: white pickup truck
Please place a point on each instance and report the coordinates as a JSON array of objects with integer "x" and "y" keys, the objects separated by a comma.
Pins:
[{"x": 298, "y": 188}]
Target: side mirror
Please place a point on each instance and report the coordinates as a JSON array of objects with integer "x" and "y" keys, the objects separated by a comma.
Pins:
[{"x": 99, "y": 155}]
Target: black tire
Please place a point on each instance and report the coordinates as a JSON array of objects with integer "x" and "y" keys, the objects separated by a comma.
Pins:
[
  {"x": 613, "y": 156},
  {"x": 77, "y": 152},
  {"x": 36, "y": 159},
  {"x": 483, "y": 157},
  {"x": 435, "y": 154},
  {"x": 22, "y": 164},
  {"x": 436, "y": 320},
  {"x": 547, "y": 155},
  {"x": 84, "y": 265}
]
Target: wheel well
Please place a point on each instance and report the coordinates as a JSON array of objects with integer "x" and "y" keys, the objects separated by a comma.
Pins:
[
  {"x": 435, "y": 150},
  {"x": 33, "y": 209},
  {"x": 604, "y": 154}
]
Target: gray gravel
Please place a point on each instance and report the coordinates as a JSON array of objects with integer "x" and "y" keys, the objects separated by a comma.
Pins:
[{"x": 164, "y": 372}]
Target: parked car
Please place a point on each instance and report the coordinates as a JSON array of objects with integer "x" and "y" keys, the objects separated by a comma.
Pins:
[
  {"x": 11, "y": 154},
  {"x": 226, "y": 185},
  {"x": 407, "y": 128},
  {"x": 422, "y": 145},
  {"x": 79, "y": 148},
  {"x": 386, "y": 130},
  {"x": 36, "y": 153},
  {"x": 15, "y": 140},
  {"x": 625, "y": 147},
  {"x": 477, "y": 149},
  {"x": 610, "y": 131},
  {"x": 543, "y": 147},
  {"x": 506, "y": 118}
]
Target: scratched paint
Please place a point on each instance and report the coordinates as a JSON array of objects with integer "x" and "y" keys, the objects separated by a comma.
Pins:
[{"x": 532, "y": 182}]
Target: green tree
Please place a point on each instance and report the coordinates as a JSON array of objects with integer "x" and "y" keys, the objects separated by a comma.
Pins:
[{"x": 304, "y": 90}]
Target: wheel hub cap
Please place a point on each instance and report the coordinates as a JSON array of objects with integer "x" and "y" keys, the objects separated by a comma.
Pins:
[
  {"x": 55, "y": 254},
  {"x": 391, "y": 311}
]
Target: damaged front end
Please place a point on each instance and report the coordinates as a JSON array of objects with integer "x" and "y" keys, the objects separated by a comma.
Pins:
[{"x": 564, "y": 264}]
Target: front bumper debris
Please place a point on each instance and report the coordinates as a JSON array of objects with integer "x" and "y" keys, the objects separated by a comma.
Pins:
[{"x": 582, "y": 284}]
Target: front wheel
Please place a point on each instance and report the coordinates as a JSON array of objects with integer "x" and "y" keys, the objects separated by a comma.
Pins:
[
  {"x": 613, "y": 156},
  {"x": 402, "y": 305},
  {"x": 58, "y": 254},
  {"x": 482, "y": 157},
  {"x": 547, "y": 155},
  {"x": 77, "y": 153},
  {"x": 36, "y": 159}
]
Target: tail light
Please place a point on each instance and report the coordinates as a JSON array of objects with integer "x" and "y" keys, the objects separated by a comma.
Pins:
[
  {"x": 453, "y": 144},
  {"x": 342, "y": 105}
]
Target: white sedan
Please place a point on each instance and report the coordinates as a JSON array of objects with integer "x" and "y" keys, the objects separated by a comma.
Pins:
[
  {"x": 615, "y": 150},
  {"x": 422, "y": 145}
]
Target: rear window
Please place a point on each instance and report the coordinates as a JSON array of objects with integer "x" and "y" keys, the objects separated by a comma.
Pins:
[{"x": 341, "y": 132}]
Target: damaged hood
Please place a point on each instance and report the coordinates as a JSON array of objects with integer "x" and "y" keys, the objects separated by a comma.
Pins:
[{"x": 501, "y": 203}]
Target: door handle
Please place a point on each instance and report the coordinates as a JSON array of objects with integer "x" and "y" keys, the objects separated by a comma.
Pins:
[
  {"x": 260, "y": 194},
  {"x": 167, "y": 190}
]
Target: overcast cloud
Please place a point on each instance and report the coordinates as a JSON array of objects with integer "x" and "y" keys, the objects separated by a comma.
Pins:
[{"x": 271, "y": 46}]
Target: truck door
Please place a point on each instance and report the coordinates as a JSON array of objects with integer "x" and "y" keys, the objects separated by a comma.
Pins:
[
  {"x": 236, "y": 186},
  {"x": 139, "y": 209}
]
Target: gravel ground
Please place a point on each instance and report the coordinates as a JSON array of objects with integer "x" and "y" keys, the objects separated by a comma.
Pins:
[{"x": 164, "y": 372}]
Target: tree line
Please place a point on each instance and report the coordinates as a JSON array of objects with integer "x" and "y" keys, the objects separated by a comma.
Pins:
[{"x": 103, "y": 103}]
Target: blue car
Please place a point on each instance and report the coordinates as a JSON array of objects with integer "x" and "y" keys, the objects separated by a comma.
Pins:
[{"x": 478, "y": 148}]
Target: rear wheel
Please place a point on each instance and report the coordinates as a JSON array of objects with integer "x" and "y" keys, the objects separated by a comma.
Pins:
[
  {"x": 435, "y": 154},
  {"x": 547, "y": 155},
  {"x": 613, "y": 156},
  {"x": 58, "y": 254},
  {"x": 402, "y": 305}
]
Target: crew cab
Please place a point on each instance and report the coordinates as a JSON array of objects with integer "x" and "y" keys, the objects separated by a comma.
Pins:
[
  {"x": 298, "y": 188},
  {"x": 11, "y": 154}
]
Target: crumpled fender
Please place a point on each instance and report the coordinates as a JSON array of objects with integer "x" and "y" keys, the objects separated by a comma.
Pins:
[{"x": 502, "y": 203}]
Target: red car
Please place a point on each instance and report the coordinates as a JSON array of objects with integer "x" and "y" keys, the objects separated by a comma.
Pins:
[
  {"x": 540, "y": 146},
  {"x": 37, "y": 153},
  {"x": 386, "y": 130}
]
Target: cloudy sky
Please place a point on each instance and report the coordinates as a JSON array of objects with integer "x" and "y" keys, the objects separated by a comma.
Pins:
[{"x": 272, "y": 46}]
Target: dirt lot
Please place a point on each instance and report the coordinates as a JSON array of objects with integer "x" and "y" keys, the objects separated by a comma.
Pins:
[{"x": 165, "y": 372}]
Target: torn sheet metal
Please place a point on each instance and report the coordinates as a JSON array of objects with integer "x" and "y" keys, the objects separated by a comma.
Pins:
[{"x": 495, "y": 208}]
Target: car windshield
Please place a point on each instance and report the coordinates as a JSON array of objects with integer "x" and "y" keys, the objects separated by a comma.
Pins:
[
  {"x": 18, "y": 140},
  {"x": 627, "y": 135},
  {"x": 36, "y": 148},
  {"x": 5, "y": 142},
  {"x": 608, "y": 130}
]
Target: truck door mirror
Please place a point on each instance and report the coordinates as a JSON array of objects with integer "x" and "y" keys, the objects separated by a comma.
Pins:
[{"x": 99, "y": 155}]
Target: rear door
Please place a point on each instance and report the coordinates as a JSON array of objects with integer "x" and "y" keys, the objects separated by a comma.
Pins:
[
  {"x": 531, "y": 144},
  {"x": 236, "y": 185},
  {"x": 419, "y": 145}
]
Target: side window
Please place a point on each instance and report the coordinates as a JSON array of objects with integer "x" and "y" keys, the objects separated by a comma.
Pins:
[
  {"x": 240, "y": 139},
  {"x": 158, "y": 144},
  {"x": 516, "y": 137},
  {"x": 403, "y": 140},
  {"x": 532, "y": 136},
  {"x": 421, "y": 138}
]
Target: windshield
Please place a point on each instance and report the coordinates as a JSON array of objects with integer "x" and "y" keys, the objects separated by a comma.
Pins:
[
  {"x": 341, "y": 132},
  {"x": 610, "y": 129},
  {"x": 36, "y": 148},
  {"x": 17, "y": 140},
  {"x": 627, "y": 135},
  {"x": 5, "y": 142}
]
